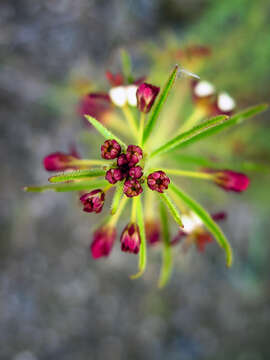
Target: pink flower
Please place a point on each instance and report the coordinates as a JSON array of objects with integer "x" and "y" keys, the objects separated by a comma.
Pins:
[
  {"x": 132, "y": 188},
  {"x": 134, "y": 154},
  {"x": 135, "y": 172},
  {"x": 114, "y": 175},
  {"x": 93, "y": 201},
  {"x": 103, "y": 241},
  {"x": 230, "y": 180},
  {"x": 110, "y": 149},
  {"x": 146, "y": 95},
  {"x": 158, "y": 181},
  {"x": 130, "y": 239},
  {"x": 59, "y": 161}
]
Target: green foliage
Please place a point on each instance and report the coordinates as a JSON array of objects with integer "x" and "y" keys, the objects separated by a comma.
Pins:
[
  {"x": 77, "y": 175},
  {"x": 72, "y": 186}
]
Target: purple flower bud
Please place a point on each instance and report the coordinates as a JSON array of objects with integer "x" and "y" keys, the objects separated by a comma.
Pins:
[
  {"x": 93, "y": 201},
  {"x": 132, "y": 188},
  {"x": 110, "y": 149},
  {"x": 59, "y": 161},
  {"x": 130, "y": 239},
  {"x": 146, "y": 95},
  {"x": 135, "y": 172},
  {"x": 122, "y": 160},
  {"x": 134, "y": 154},
  {"x": 158, "y": 181},
  {"x": 230, "y": 180},
  {"x": 97, "y": 105},
  {"x": 114, "y": 175},
  {"x": 152, "y": 230},
  {"x": 103, "y": 241}
]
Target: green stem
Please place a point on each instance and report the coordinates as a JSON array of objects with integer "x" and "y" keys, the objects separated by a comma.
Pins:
[
  {"x": 114, "y": 219},
  {"x": 197, "y": 115},
  {"x": 134, "y": 209},
  {"x": 86, "y": 162},
  {"x": 194, "y": 174},
  {"x": 141, "y": 130},
  {"x": 130, "y": 119},
  {"x": 116, "y": 197},
  {"x": 171, "y": 208}
]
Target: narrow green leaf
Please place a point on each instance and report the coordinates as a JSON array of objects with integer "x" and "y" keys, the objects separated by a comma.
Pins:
[
  {"x": 167, "y": 261},
  {"x": 72, "y": 186},
  {"x": 143, "y": 247},
  {"x": 188, "y": 135},
  {"x": 172, "y": 208},
  {"x": 207, "y": 220},
  {"x": 234, "y": 120},
  {"x": 76, "y": 175},
  {"x": 159, "y": 104},
  {"x": 103, "y": 130},
  {"x": 126, "y": 65},
  {"x": 117, "y": 197}
]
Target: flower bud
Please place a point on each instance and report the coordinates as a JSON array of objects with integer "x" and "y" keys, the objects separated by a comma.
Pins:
[
  {"x": 93, "y": 201},
  {"x": 146, "y": 95},
  {"x": 230, "y": 180},
  {"x": 114, "y": 175},
  {"x": 225, "y": 104},
  {"x": 152, "y": 230},
  {"x": 135, "y": 172},
  {"x": 97, "y": 105},
  {"x": 158, "y": 181},
  {"x": 59, "y": 161},
  {"x": 110, "y": 149},
  {"x": 115, "y": 79},
  {"x": 103, "y": 241},
  {"x": 134, "y": 154},
  {"x": 122, "y": 160},
  {"x": 130, "y": 239},
  {"x": 132, "y": 188}
]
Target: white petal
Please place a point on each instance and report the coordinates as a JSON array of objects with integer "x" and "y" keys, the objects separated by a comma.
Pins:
[
  {"x": 204, "y": 88},
  {"x": 118, "y": 95},
  {"x": 225, "y": 102},
  {"x": 131, "y": 94}
]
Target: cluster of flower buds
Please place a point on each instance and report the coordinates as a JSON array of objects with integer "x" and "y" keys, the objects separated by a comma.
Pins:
[
  {"x": 204, "y": 95},
  {"x": 126, "y": 167}
]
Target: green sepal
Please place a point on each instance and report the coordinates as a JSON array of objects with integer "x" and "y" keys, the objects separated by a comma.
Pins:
[
  {"x": 103, "y": 130},
  {"x": 72, "y": 186},
  {"x": 143, "y": 246},
  {"x": 159, "y": 104},
  {"x": 76, "y": 175},
  {"x": 167, "y": 260},
  {"x": 187, "y": 136},
  {"x": 206, "y": 218}
]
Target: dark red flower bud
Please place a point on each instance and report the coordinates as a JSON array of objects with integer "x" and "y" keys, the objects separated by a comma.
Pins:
[
  {"x": 97, "y": 105},
  {"x": 114, "y": 175},
  {"x": 122, "y": 160},
  {"x": 152, "y": 230},
  {"x": 93, "y": 201},
  {"x": 115, "y": 79},
  {"x": 158, "y": 181},
  {"x": 146, "y": 95},
  {"x": 134, "y": 154},
  {"x": 132, "y": 188},
  {"x": 202, "y": 238},
  {"x": 135, "y": 172},
  {"x": 230, "y": 180},
  {"x": 110, "y": 149},
  {"x": 219, "y": 216},
  {"x": 103, "y": 241},
  {"x": 59, "y": 161},
  {"x": 130, "y": 239}
]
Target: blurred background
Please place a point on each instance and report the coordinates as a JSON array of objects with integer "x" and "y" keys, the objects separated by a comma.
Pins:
[{"x": 56, "y": 302}]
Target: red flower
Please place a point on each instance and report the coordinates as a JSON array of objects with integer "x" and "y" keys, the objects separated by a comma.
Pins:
[
  {"x": 152, "y": 230},
  {"x": 158, "y": 181},
  {"x": 115, "y": 79},
  {"x": 93, "y": 201},
  {"x": 230, "y": 180},
  {"x": 59, "y": 161},
  {"x": 97, "y": 105},
  {"x": 130, "y": 239},
  {"x": 146, "y": 95},
  {"x": 132, "y": 188},
  {"x": 103, "y": 241},
  {"x": 110, "y": 149}
]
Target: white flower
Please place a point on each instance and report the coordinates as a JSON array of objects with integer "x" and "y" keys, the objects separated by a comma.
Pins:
[
  {"x": 204, "y": 88},
  {"x": 118, "y": 95},
  {"x": 225, "y": 102},
  {"x": 131, "y": 94}
]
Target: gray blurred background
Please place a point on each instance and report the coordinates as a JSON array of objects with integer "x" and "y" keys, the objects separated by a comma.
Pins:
[{"x": 55, "y": 301}]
